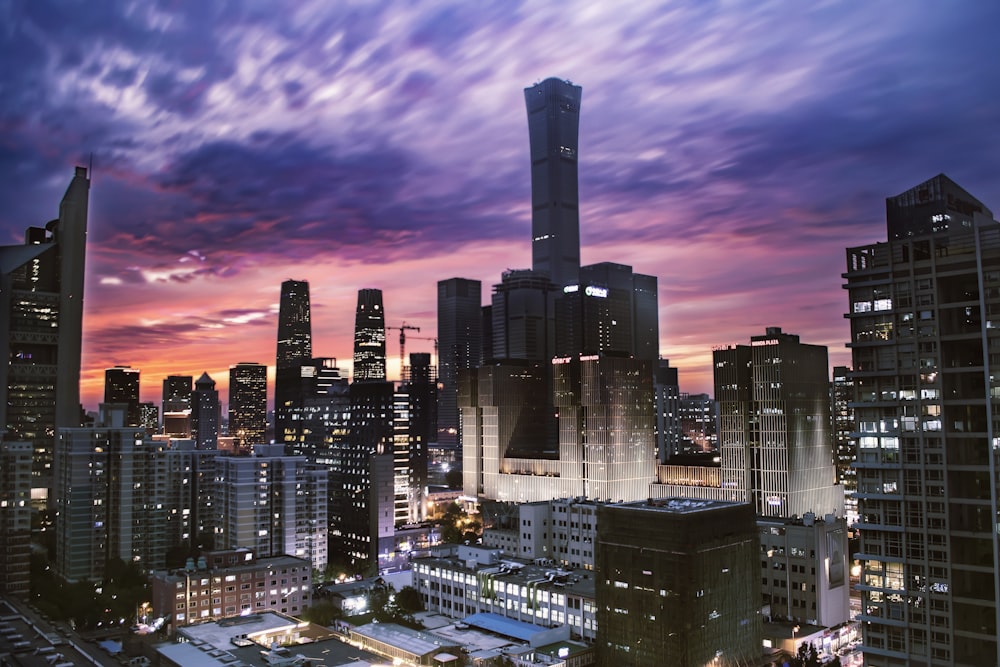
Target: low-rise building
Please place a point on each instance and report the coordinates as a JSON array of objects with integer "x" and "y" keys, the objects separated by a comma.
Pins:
[
  {"x": 224, "y": 584},
  {"x": 460, "y": 580},
  {"x": 561, "y": 530}
]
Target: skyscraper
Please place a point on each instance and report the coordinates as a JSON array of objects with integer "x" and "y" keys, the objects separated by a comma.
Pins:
[
  {"x": 247, "y": 403},
  {"x": 294, "y": 347},
  {"x": 205, "y": 414},
  {"x": 459, "y": 313},
  {"x": 369, "y": 337},
  {"x": 923, "y": 309},
  {"x": 553, "y": 131},
  {"x": 177, "y": 406},
  {"x": 774, "y": 411},
  {"x": 41, "y": 290},
  {"x": 121, "y": 385}
]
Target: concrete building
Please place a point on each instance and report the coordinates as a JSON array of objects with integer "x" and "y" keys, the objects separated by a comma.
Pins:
[
  {"x": 845, "y": 447},
  {"x": 272, "y": 504},
  {"x": 804, "y": 569},
  {"x": 924, "y": 309},
  {"x": 677, "y": 583},
  {"x": 228, "y": 583},
  {"x": 459, "y": 581},
  {"x": 562, "y": 530},
  {"x": 177, "y": 407}
]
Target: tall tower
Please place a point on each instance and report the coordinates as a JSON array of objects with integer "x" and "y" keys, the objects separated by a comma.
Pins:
[
  {"x": 459, "y": 347},
  {"x": 923, "y": 309},
  {"x": 774, "y": 410},
  {"x": 369, "y": 337},
  {"x": 294, "y": 347},
  {"x": 41, "y": 323},
  {"x": 121, "y": 385},
  {"x": 205, "y": 413},
  {"x": 247, "y": 403},
  {"x": 177, "y": 406},
  {"x": 553, "y": 131}
]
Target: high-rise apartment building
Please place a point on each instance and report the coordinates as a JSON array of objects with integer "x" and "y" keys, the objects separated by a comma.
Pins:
[
  {"x": 924, "y": 309},
  {"x": 15, "y": 517},
  {"x": 677, "y": 583},
  {"x": 121, "y": 385},
  {"x": 553, "y": 131},
  {"x": 205, "y": 413},
  {"x": 41, "y": 319},
  {"x": 247, "y": 403},
  {"x": 294, "y": 347},
  {"x": 369, "y": 337},
  {"x": 272, "y": 504},
  {"x": 460, "y": 343},
  {"x": 774, "y": 414}
]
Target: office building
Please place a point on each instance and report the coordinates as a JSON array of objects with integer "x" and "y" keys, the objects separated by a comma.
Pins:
[
  {"x": 844, "y": 445},
  {"x": 677, "y": 583},
  {"x": 699, "y": 415},
  {"x": 247, "y": 404},
  {"x": 804, "y": 576},
  {"x": 228, "y": 583},
  {"x": 561, "y": 530},
  {"x": 414, "y": 427},
  {"x": 523, "y": 317},
  {"x": 121, "y": 385},
  {"x": 460, "y": 344},
  {"x": 149, "y": 416},
  {"x": 41, "y": 319},
  {"x": 553, "y": 131},
  {"x": 294, "y": 347},
  {"x": 177, "y": 406},
  {"x": 610, "y": 311},
  {"x": 205, "y": 413},
  {"x": 667, "y": 403},
  {"x": 923, "y": 309},
  {"x": 319, "y": 425},
  {"x": 369, "y": 337},
  {"x": 15, "y": 517},
  {"x": 774, "y": 414},
  {"x": 272, "y": 504}
]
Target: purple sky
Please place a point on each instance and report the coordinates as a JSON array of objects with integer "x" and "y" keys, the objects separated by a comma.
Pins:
[{"x": 732, "y": 149}]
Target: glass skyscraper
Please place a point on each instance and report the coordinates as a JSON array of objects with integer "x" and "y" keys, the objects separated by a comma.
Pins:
[
  {"x": 369, "y": 337},
  {"x": 553, "y": 132},
  {"x": 247, "y": 404},
  {"x": 294, "y": 347}
]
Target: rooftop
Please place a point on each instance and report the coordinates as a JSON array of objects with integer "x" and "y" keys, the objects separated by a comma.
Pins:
[{"x": 678, "y": 505}]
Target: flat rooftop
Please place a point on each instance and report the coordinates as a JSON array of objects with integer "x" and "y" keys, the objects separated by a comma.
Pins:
[
  {"x": 547, "y": 577},
  {"x": 414, "y": 641},
  {"x": 220, "y": 634},
  {"x": 679, "y": 505}
]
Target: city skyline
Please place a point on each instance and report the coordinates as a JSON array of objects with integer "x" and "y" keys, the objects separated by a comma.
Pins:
[{"x": 733, "y": 154}]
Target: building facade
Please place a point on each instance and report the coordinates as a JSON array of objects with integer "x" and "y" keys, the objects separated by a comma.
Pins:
[
  {"x": 177, "y": 395},
  {"x": 460, "y": 344},
  {"x": 774, "y": 414},
  {"x": 121, "y": 385},
  {"x": 294, "y": 347},
  {"x": 844, "y": 445},
  {"x": 553, "y": 132},
  {"x": 15, "y": 517},
  {"x": 41, "y": 322},
  {"x": 923, "y": 309},
  {"x": 247, "y": 404},
  {"x": 677, "y": 583},
  {"x": 369, "y": 337},
  {"x": 205, "y": 413}
]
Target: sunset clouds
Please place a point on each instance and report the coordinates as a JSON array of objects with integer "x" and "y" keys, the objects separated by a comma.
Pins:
[{"x": 733, "y": 149}]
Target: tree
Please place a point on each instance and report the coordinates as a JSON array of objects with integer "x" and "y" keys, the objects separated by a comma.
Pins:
[
  {"x": 453, "y": 478},
  {"x": 408, "y": 599},
  {"x": 323, "y": 612}
]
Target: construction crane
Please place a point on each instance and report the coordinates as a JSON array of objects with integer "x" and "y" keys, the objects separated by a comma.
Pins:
[
  {"x": 434, "y": 358},
  {"x": 402, "y": 341}
]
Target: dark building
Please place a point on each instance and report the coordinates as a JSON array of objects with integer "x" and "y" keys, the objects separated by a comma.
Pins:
[
  {"x": 15, "y": 518},
  {"x": 924, "y": 310},
  {"x": 41, "y": 320},
  {"x": 460, "y": 345},
  {"x": 414, "y": 427},
  {"x": 523, "y": 315},
  {"x": 247, "y": 404},
  {"x": 612, "y": 311},
  {"x": 205, "y": 413},
  {"x": 677, "y": 584},
  {"x": 553, "y": 131},
  {"x": 177, "y": 406},
  {"x": 369, "y": 337},
  {"x": 294, "y": 347},
  {"x": 121, "y": 385},
  {"x": 667, "y": 399},
  {"x": 845, "y": 447},
  {"x": 320, "y": 424}
]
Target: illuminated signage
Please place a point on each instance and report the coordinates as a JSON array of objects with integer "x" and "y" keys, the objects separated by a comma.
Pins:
[
  {"x": 571, "y": 288},
  {"x": 593, "y": 290},
  {"x": 759, "y": 343},
  {"x": 561, "y": 360}
]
